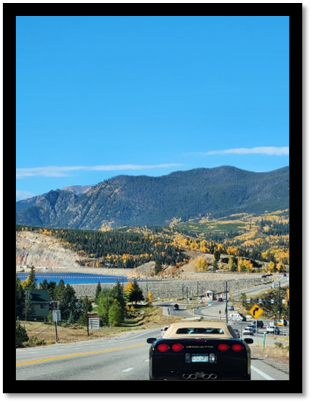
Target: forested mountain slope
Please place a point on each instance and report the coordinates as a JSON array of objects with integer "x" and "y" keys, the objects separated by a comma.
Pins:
[{"x": 144, "y": 200}]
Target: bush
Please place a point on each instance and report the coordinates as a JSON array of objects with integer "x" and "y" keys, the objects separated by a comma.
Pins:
[
  {"x": 20, "y": 335},
  {"x": 34, "y": 341}
]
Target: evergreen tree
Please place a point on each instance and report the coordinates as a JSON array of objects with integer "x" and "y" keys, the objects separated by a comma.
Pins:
[
  {"x": 28, "y": 309},
  {"x": 20, "y": 298},
  {"x": 117, "y": 293},
  {"x": 136, "y": 293},
  {"x": 214, "y": 264},
  {"x": 44, "y": 285},
  {"x": 104, "y": 302},
  {"x": 217, "y": 255},
  {"x": 20, "y": 334},
  {"x": 67, "y": 302},
  {"x": 59, "y": 290},
  {"x": 98, "y": 290},
  {"x": 31, "y": 283},
  {"x": 51, "y": 290},
  {"x": 158, "y": 267}
]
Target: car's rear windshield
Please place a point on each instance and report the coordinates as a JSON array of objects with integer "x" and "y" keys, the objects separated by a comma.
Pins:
[{"x": 199, "y": 330}]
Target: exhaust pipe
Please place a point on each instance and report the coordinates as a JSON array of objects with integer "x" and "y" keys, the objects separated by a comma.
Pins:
[
  {"x": 210, "y": 376},
  {"x": 189, "y": 376}
]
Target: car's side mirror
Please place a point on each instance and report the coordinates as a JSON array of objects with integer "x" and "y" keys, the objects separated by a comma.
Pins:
[
  {"x": 248, "y": 341},
  {"x": 151, "y": 340}
]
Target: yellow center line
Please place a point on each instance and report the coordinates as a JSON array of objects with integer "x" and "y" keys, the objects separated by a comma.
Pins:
[{"x": 78, "y": 354}]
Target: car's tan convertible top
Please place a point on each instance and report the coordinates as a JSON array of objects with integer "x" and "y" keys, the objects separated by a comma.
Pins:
[{"x": 199, "y": 329}]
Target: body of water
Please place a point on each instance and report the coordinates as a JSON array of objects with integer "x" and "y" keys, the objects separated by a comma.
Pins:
[{"x": 74, "y": 278}]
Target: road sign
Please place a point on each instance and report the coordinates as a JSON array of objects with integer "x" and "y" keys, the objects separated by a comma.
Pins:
[
  {"x": 94, "y": 323},
  {"x": 256, "y": 311},
  {"x": 56, "y": 316}
]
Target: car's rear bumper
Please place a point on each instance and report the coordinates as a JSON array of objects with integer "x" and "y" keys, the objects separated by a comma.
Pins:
[{"x": 174, "y": 368}]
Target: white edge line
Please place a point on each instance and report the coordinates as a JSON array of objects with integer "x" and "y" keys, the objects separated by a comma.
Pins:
[
  {"x": 128, "y": 369},
  {"x": 262, "y": 374}
]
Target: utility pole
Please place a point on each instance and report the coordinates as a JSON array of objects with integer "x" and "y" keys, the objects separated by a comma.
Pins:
[
  {"x": 226, "y": 302},
  {"x": 279, "y": 301},
  {"x": 25, "y": 309}
]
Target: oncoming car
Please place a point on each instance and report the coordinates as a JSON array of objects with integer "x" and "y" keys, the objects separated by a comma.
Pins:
[{"x": 201, "y": 350}]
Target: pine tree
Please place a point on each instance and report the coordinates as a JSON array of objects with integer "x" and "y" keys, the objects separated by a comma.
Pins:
[
  {"x": 59, "y": 289},
  {"x": 104, "y": 302},
  {"x": 20, "y": 334},
  {"x": 20, "y": 298},
  {"x": 31, "y": 280},
  {"x": 136, "y": 293},
  {"x": 117, "y": 293},
  {"x": 98, "y": 290},
  {"x": 67, "y": 302},
  {"x": 158, "y": 267}
]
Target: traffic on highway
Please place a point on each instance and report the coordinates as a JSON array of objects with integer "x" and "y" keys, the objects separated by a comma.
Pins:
[{"x": 126, "y": 356}]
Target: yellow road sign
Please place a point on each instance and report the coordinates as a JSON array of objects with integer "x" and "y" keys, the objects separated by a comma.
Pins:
[{"x": 256, "y": 311}]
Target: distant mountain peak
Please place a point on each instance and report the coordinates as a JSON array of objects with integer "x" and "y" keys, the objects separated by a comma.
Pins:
[{"x": 78, "y": 190}]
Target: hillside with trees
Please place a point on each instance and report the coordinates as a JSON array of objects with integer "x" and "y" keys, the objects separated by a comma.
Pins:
[
  {"x": 236, "y": 243},
  {"x": 157, "y": 201}
]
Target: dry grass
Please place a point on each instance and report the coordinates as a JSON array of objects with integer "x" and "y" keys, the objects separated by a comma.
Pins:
[{"x": 45, "y": 333}]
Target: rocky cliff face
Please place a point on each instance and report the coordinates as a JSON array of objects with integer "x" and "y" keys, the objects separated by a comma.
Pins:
[{"x": 42, "y": 250}]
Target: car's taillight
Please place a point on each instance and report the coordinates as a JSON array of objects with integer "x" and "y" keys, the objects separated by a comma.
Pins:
[
  {"x": 223, "y": 347},
  {"x": 163, "y": 347},
  {"x": 177, "y": 347},
  {"x": 237, "y": 347}
]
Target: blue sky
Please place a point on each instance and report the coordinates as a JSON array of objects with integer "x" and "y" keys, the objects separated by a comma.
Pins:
[{"x": 99, "y": 97}]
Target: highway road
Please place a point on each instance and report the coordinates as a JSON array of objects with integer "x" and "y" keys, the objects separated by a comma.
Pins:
[{"x": 123, "y": 357}]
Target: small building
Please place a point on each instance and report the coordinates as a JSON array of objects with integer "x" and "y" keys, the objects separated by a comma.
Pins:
[
  {"x": 40, "y": 301},
  {"x": 210, "y": 294}
]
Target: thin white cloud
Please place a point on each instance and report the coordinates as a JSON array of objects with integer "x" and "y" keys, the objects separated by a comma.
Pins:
[
  {"x": 254, "y": 150},
  {"x": 54, "y": 171},
  {"x": 22, "y": 195}
]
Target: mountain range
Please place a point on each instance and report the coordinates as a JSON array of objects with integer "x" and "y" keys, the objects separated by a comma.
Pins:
[{"x": 143, "y": 200}]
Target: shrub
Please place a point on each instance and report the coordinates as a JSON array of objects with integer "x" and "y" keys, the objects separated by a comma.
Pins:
[
  {"x": 34, "y": 341},
  {"x": 20, "y": 335}
]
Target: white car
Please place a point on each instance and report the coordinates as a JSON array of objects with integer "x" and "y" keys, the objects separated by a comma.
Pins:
[
  {"x": 162, "y": 331},
  {"x": 272, "y": 330}
]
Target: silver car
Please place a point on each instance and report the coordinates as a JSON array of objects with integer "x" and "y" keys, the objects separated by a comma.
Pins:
[{"x": 248, "y": 331}]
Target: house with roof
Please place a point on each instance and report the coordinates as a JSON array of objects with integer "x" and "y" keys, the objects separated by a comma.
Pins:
[{"x": 40, "y": 302}]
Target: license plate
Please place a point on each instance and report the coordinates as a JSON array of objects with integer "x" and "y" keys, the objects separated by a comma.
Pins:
[{"x": 200, "y": 358}]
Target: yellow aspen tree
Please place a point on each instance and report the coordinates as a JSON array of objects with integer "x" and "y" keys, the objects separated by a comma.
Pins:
[
  {"x": 149, "y": 298},
  {"x": 201, "y": 265},
  {"x": 272, "y": 267}
]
